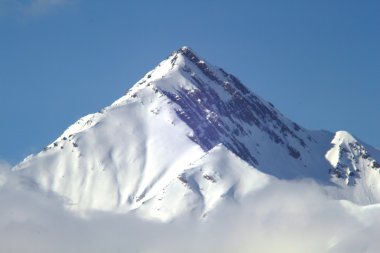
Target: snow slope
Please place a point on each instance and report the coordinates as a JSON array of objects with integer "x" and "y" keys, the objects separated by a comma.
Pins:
[
  {"x": 187, "y": 136},
  {"x": 216, "y": 177}
]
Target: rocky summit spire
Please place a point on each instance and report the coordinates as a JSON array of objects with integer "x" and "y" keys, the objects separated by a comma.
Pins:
[{"x": 188, "y": 53}]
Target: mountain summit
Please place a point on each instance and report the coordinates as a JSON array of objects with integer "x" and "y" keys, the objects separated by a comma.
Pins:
[{"x": 188, "y": 136}]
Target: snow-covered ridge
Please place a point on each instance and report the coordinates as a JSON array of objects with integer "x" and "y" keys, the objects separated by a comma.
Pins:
[
  {"x": 348, "y": 157},
  {"x": 355, "y": 164},
  {"x": 185, "y": 137}
]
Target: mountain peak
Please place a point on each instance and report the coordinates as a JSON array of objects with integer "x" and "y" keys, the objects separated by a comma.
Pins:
[
  {"x": 185, "y": 49},
  {"x": 216, "y": 106},
  {"x": 188, "y": 53},
  {"x": 144, "y": 152},
  {"x": 188, "y": 57}
]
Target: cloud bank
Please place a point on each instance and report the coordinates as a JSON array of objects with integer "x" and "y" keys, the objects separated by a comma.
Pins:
[{"x": 283, "y": 217}]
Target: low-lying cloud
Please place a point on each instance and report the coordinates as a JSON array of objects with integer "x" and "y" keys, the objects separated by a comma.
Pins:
[{"x": 282, "y": 217}]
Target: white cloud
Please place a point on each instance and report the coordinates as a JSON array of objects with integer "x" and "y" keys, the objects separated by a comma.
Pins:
[
  {"x": 36, "y": 7},
  {"x": 4, "y": 165},
  {"x": 282, "y": 217},
  {"x": 30, "y": 7},
  {"x": 4, "y": 170}
]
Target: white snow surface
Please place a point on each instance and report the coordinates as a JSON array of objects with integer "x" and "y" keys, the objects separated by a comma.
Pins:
[{"x": 142, "y": 154}]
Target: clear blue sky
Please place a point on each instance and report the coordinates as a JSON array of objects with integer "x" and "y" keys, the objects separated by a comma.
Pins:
[{"x": 317, "y": 61}]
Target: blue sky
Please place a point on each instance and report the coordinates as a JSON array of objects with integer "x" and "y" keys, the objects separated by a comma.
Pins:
[{"x": 317, "y": 61}]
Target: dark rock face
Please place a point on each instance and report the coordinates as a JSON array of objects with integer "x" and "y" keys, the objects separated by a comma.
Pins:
[
  {"x": 294, "y": 152},
  {"x": 229, "y": 119}
]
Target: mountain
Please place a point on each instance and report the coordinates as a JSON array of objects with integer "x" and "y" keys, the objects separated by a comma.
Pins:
[{"x": 187, "y": 137}]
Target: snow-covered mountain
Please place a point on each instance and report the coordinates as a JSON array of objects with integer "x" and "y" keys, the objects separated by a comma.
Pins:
[{"x": 187, "y": 137}]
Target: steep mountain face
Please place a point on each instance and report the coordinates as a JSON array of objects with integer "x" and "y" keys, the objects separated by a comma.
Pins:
[{"x": 188, "y": 136}]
